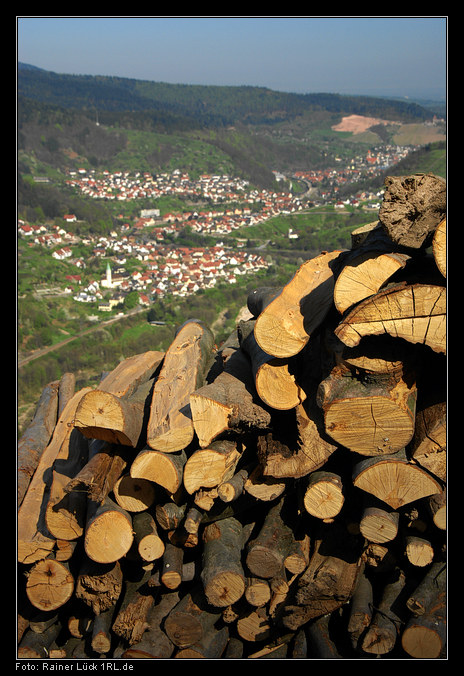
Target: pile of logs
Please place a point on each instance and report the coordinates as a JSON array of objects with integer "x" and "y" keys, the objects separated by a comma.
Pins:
[{"x": 280, "y": 496}]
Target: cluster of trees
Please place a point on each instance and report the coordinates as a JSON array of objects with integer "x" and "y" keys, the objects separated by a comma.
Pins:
[{"x": 206, "y": 105}]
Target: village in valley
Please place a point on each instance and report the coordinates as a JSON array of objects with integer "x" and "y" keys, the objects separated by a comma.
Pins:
[{"x": 164, "y": 268}]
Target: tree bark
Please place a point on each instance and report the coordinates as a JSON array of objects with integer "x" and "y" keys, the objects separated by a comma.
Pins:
[
  {"x": 154, "y": 643},
  {"x": 266, "y": 553},
  {"x": 99, "y": 585},
  {"x": 66, "y": 512},
  {"x": 99, "y": 475},
  {"x": 190, "y": 355},
  {"x": 412, "y": 207},
  {"x": 191, "y": 619},
  {"x": 385, "y": 627}
]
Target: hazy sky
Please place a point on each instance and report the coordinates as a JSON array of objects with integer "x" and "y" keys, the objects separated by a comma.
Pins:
[{"x": 393, "y": 56}]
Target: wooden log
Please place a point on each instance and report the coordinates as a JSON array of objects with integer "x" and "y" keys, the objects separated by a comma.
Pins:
[
  {"x": 320, "y": 641},
  {"x": 210, "y": 466},
  {"x": 154, "y": 643},
  {"x": 385, "y": 626},
  {"x": 170, "y": 426},
  {"x": 257, "y": 592},
  {"x": 430, "y": 591},
  {"x": 419, "y": 551},
  {"x": 412, "y": 207},
  {"x": 361, "y": 608},
  {"x": 34, "y": 540},
  {"x": 49, "y": 584},
  {"x": 437, "y": 507},
  {"x": 65, "y": 513},
  {"x": 297, "y": 558},
  {"x": 285, "y": 325},
  {"x": 108, "y": 533},
  {"x": 36, "y": 646},
  {"x": 234, "y": 649},
  {"x": 275, "y": 379},
  {"x": 331, "y": 577},
  {"x": 101, "y": 631},
  {"x": 99, "y": 585},
  {"x": 211, "y": 646},
  {"x": 106, "y": 464},
  {"x": 425, "y": 637},
  {"x": 297, "y": 445},
  {"x": 439, "y": 247},
  {"x": 414, "y": 312},
  {"x": 323, "y": 497},
  {"x": 264, "y": 488},
  {"x": 373, "y": 417},
  {"x": 191, "y": 619},
  {"x": 169, "y": 515},
  {"x": 148, "y": 543},
  {"x": 172, "y": 569},
  {"x": 134, "y": 494},
  {"x": 267, "y": 551},
  {"x": 255, "y": 625},
  {"x": 222, "y": 574},
  {"x": 165, "y": 469},
  {"x": 394, "y": 480},
  {"x": 131, "y": 372},
  {"x": 137, "y": 600},
  {"x": 425, "y": 634},
  {"x": 231, "y": 489},
  {"x": 428, "y": 445},
  {"x": 258, "y": 299},
  {"x": 103, "y": 415},
  {"x": 228, "y": 404},
  {"x": 36, "y": 437},
  {"x": 363, "y": 276},
  {"x": 379, "y": 524}
]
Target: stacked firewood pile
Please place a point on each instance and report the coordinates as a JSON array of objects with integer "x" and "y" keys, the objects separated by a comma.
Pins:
[{"x": 282, "y": 495}]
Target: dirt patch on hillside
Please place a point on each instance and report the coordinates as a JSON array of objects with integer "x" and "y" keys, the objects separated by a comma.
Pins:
[{"x": 357, "y": 124}]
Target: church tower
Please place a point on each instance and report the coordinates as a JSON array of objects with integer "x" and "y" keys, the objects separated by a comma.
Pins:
[{"x": 109, "y": 281}]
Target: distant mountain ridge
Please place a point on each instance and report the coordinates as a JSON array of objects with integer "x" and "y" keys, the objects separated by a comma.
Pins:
[{"x": 205, "y": 104}]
